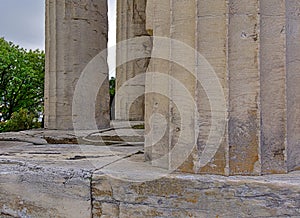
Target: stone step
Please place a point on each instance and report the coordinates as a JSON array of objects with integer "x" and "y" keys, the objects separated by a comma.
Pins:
[
  {"x": 56, "y": 180},
  {"x": 112, "y": 136}
]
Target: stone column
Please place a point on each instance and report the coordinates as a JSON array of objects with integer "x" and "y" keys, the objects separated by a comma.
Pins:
[
  {"x": 212, "y": 43},
  {"x": 244, "y": 87},
  {"x": 293, "y": 81},
  {"x": 76, "y": 31},
  {"x": 201, "y": 25},
  {"x": 253, "y": 47},
  {"x": 171, "y": 89},
  {"x": 131, "y": 23},
  {"x": 273, "y": 86}
]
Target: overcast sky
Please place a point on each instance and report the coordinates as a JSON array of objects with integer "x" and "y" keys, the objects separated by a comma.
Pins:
[{"x": 23, "y": 22}]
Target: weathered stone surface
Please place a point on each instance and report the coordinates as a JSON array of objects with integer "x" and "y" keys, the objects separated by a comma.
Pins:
[
  {"x": 51, "y": 180},
  {"x": 212, "y": 28},
  {"x": 76, "y": 31},
  {"x": 273, "y": 86},
  {"x": 204, "y": 28},
  {"x": 129, "y": 100},
  {"x": 252, "y": 47},
  {"x": 40, "y": 181},
  {"x": 182, "y": 113},
  {"x": 70, "y": 154},
  {"x": 158, "y": 22},
  {"x": 180, "y": 195},
  {"x": 22, "y": 137},
  {"x": 29, "y": 190},
  {"x": 83, "y": 181},
  {"x": 243, "y": 70},
  {"x": 116, "y": 135},
  {"x": 293, "y": 79},
  {"x": 169, "y": 106}
]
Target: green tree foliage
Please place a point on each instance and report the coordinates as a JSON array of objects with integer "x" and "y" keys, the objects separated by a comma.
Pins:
[
  {"x": 112, "y": 85},
  {"x": 20, "y": 120},
  {"x": 21, "y": 80}
]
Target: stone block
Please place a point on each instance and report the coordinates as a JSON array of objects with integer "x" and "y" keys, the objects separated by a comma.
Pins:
[
  {"x": 28, "y": 190},
  {"x": 181, "y": 195}
]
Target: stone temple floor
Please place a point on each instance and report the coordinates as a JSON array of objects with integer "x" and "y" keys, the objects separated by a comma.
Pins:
[{"x": 47, "y": 173}]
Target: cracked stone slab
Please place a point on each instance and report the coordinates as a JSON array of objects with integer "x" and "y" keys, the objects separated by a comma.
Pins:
[
  {"x": 118, "y": 134},
  {"x": 32, "y": 191},
  {"x": 65, "y": 154},
  {"x": 51, "y": 180},
  {"x": 61, "y": 181},
  {"x": 184, "y": 195},
  {"x": 22, "y": 137}
]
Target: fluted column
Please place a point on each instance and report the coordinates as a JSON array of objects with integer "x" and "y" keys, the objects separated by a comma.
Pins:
[
  {"x": 253, "y": 48},
  {"x": 273, "y": 86},
  {"x": 131, "y": 23},
  {"x": 293, "y": 81},
  {"x": 76, "y": 31}
]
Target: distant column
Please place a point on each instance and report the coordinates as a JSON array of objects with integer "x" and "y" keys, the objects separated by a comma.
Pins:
[
  {"x": 131, "y": 23},
  {"x": 76, "y": 31}
]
